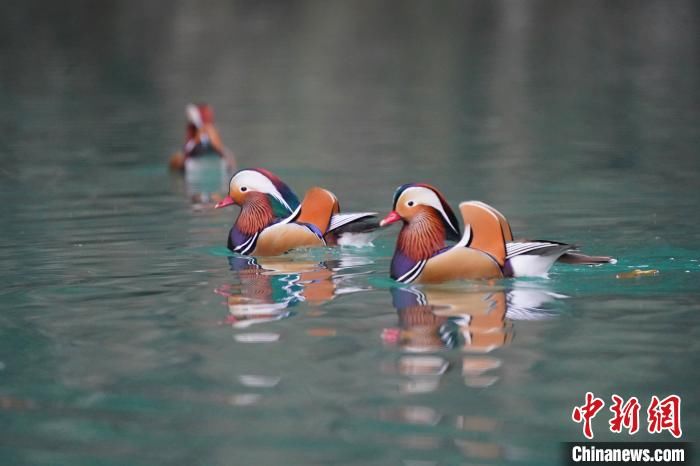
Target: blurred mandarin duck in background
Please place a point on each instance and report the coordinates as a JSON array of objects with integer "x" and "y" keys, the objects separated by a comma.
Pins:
[
  {"x": 205, "y": 161},
  {"x": 486, "y": 250},
  {"x": 202, "y": 139},
  {"x": 272, "y": 220}
]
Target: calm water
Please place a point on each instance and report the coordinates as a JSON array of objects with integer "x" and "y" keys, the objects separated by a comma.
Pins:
[{"x": 128, "y": 335}]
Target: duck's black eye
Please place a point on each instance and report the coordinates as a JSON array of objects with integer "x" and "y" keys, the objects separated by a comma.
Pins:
[
  {"x": 244, "y": 189},
  {"x": 410, "y": 203}
]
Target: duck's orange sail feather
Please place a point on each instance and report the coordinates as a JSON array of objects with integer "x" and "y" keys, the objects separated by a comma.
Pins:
[
  {"x": 317, "y": 208},
  {"x": 487, "y": 232}
]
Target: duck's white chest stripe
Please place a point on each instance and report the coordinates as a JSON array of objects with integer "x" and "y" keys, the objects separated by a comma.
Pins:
[
  {"x": 412, "y": 274},
  {"x": 248, "y": 246}
]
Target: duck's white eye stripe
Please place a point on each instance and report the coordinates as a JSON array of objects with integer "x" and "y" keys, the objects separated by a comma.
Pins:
[
  {"x": 425, "y": 196},
  {"x": 253, "y": 180}
]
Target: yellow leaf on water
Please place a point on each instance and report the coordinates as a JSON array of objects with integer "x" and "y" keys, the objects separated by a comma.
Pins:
[
  {"x": 322, "y": 332},
  {"x": 636, "y": 273}
]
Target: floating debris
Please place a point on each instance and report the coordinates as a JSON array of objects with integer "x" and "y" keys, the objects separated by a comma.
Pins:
[
  {"x": 11, "y": 403},
  {"x": 258, "y": 381},
  {"x": 321, "y": 332},
  {"x": 257, "y": 337},
  {"x": 636, "y": 273}
]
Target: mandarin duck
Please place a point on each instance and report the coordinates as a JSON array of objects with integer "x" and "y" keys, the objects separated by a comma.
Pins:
[
  {"x": 201, "y": 139},
  {"x": 205, "y": 161},
  {"x": 272, "y": 221},
  {"x": 485, "y": 250}
]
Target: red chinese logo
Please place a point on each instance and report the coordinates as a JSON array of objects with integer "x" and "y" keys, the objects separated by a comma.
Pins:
[
  {"x": 625, "y": 415},
  {"x": 587, "y": 412},
  {"x": 665, "y": 415},
  {"x": 661, "y": 414}
]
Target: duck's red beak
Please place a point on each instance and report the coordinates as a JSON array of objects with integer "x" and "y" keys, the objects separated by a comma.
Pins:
[
  {"x": 225, "y": 202},
  {"x": 392, "y": 217}
]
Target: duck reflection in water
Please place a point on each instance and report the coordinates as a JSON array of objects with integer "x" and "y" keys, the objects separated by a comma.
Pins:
[
  {"x": 268, "y": 288},
  {"x": 477, "y": 322}
]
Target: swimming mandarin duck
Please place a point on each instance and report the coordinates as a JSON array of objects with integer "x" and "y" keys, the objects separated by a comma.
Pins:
[
  {"x": 486, "y": 250},
  {"x": 201, "y": 140},
  {"x": 272, "y": 220}
]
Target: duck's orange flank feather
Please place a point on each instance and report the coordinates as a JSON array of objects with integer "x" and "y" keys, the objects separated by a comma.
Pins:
[
  {"x": 280, "y": 238},
  {"x": 460, "y": 264}
]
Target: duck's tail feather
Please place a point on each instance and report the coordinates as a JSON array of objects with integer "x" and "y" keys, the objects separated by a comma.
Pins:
[
  {"x": 536, "y": 257},
  {"x": 537, "y": 247},
  {"x": 533, "y": 258},
  {"x": 579, "y": 258},
  {"x": 354, "y": 222}
]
